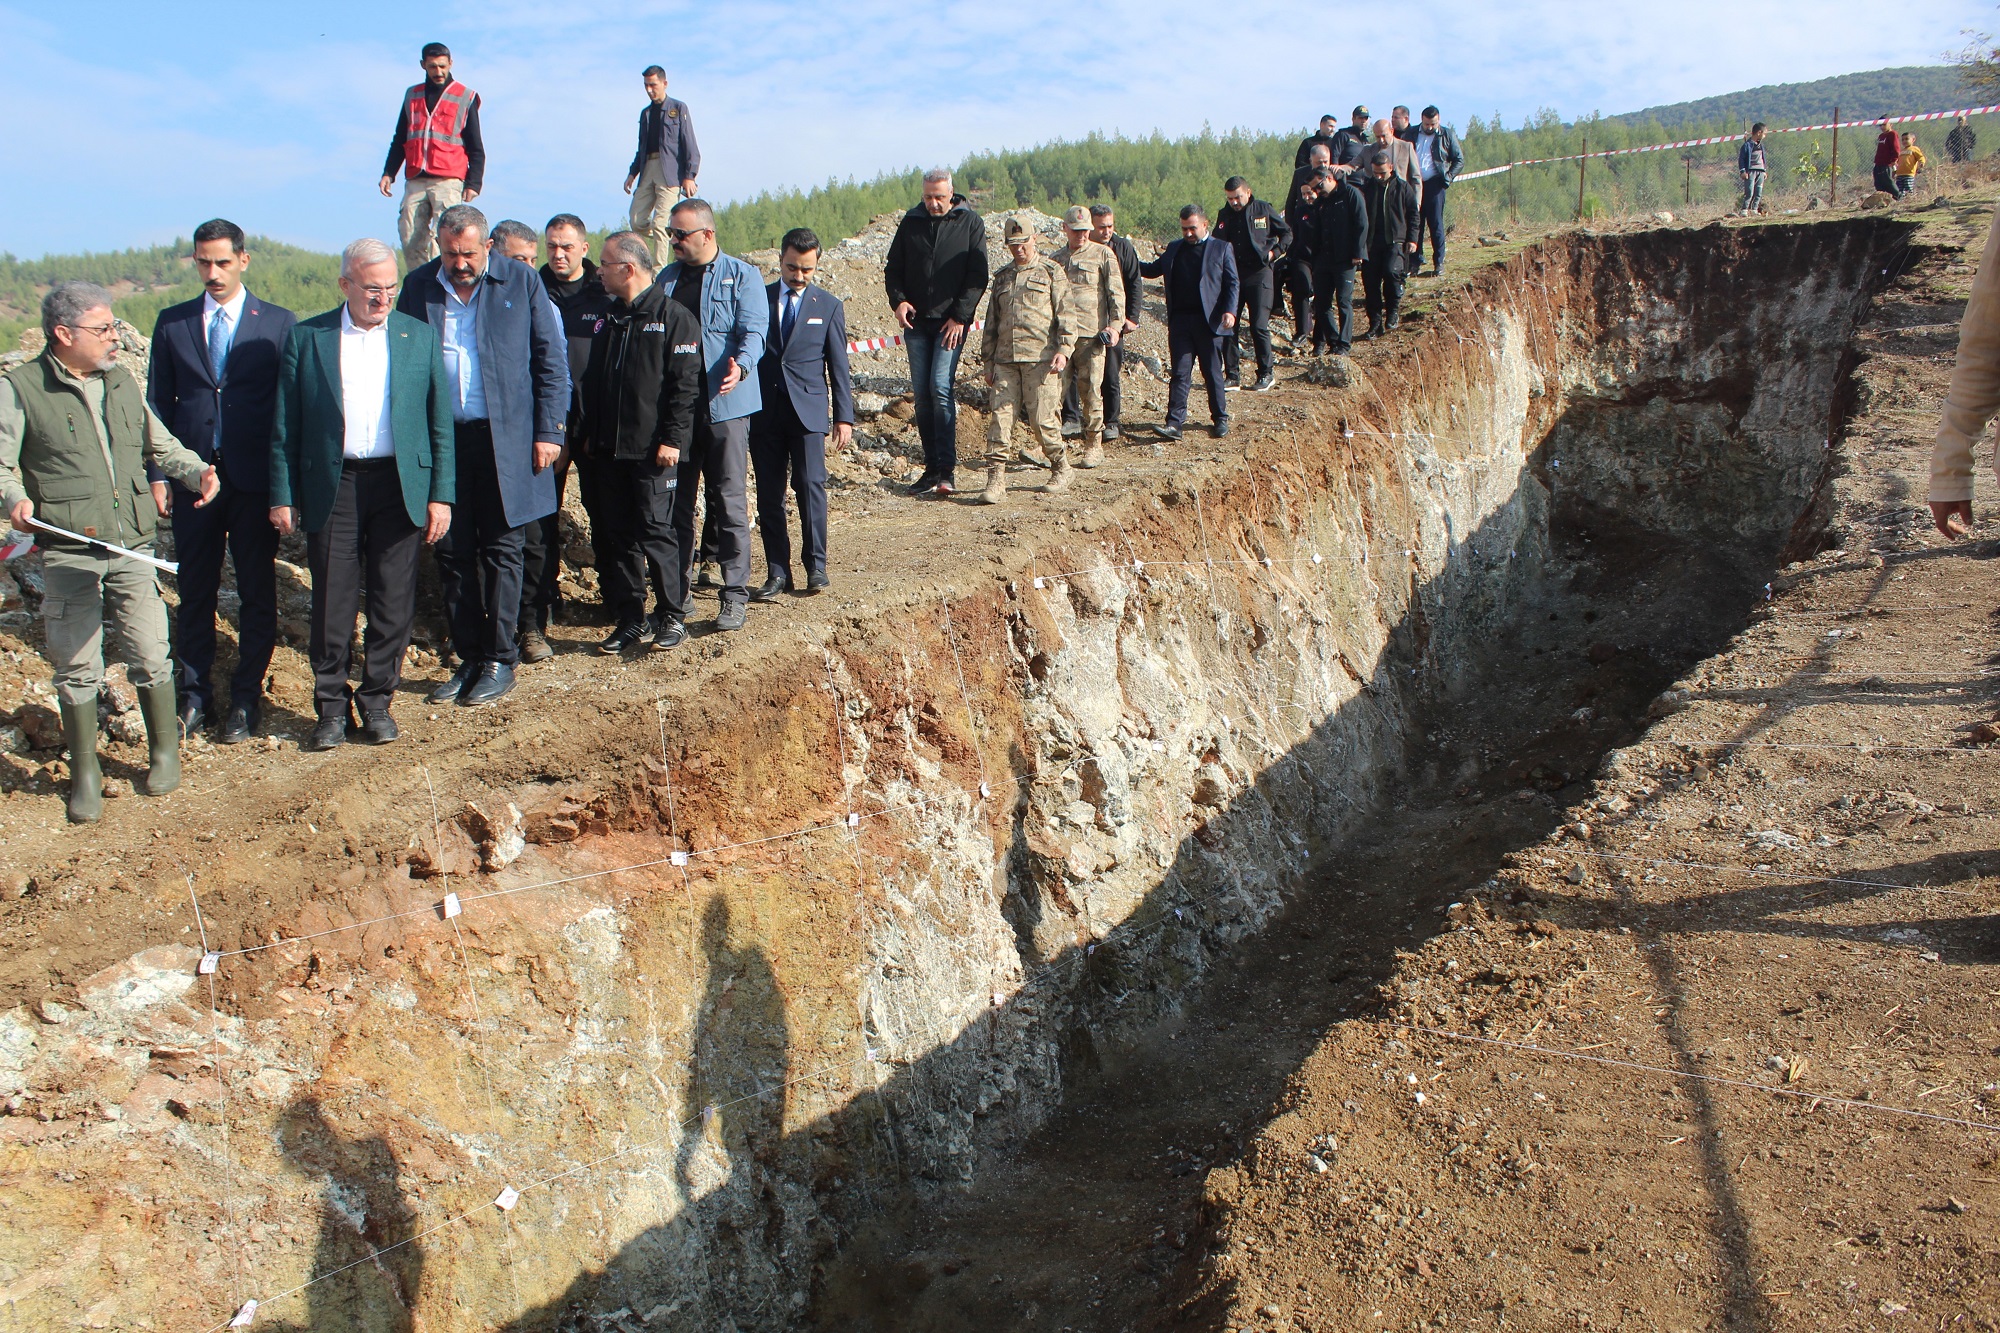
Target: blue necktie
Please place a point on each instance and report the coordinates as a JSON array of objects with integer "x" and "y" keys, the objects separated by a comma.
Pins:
[
  {"x": 791, "y": 314},
  {"x": 218, "y": 357}
]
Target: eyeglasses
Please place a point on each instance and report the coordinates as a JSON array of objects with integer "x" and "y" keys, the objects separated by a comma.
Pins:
[
  {"x": 98, "y": 330},
  {"x": 680, "y": 235},
  {"x": 378, "y": 293}
]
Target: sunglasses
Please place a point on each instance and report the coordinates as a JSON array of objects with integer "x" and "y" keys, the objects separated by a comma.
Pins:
[{"x": 681, "y": 235}]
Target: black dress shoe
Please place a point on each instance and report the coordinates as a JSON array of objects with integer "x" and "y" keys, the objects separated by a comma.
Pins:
[
  {"x": 1169, "y": 432},
  {"x": 238, "y": 725},
  {"x": 377, "y": 728},
  {"x": 669, "y": 633},
  {"x": 774, "y": 587},
  {"x": 191, "y": 717},
  {"x": 623, "y": 639},
  {"x": 731, "y": 615},
  {"x": 923, "y": 485},
  {"x": 494, "y": 680},
  {"x": 330, "y": 734},
  {"x": 817, "y": 581},
  {"x": 455, "y": 684},
  {"x": 1220, "y": 428}
]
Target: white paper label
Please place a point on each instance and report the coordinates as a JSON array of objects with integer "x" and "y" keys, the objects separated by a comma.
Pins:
[
  {"x": 451, "y": 907},
  {"x": 853, "y": 819},
  {"x": 244, "y": 1315},
  {"x": 678, "y": 858},
  {"x": 209, "y": 962},
  {"x": 1038, "y": 582},
  {"x": 506, "y": 1199}
]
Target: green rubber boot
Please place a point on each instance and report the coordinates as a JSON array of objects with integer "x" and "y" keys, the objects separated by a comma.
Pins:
[
  {"x": 86, "y": 779},
  {"x": 163, "y": 738}
]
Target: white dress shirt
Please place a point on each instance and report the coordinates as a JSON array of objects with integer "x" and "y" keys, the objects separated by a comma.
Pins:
[
  {"x": 233, "y": 312},
  {"x": 460, "y": 339},
  {"x": 364, "y": 390},
  {"x": 1427, "y": 155}
]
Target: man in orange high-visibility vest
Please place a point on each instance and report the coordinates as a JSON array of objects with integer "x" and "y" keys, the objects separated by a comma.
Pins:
[{"x": 438, "y": 149}]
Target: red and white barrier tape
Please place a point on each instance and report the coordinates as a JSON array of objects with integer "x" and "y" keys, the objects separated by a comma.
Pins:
[
  {"x": 1727, "y": 138},
  {"x": 893, "y": 340}
]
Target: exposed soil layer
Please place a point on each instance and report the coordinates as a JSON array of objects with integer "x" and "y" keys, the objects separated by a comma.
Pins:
[{"x": 1116, "y": 828}]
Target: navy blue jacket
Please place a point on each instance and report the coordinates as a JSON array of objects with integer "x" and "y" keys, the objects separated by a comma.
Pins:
[
  {"x": 181, "y": 386},
  {"x": 523, "y": 369},
  {"x": 803, "y": 369},
  {"x": 1221, "y": 288}
]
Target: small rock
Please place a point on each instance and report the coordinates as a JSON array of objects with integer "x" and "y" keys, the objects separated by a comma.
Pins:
[
  {"x": 42, "y": 725},
  {"x": 50, "y": 1011},
  {"x": 1268, "y": 1311},
  {"x": 902, "y": 409},
  {"x": 1320, "y": 1167},
  {"x": 1663, "y": 216},
  {"x": 1333, "y": 372},
  {"x": 115, "y": 788},
  {"x": 1954, "y": 1205},
  {"x": 870, "y": 405},
  {"x": 499, "y": 836},
  {"x": 1577, "y": 874},
  {"x": 126, "y": 728},
  {"x": 14, "y": 885}
]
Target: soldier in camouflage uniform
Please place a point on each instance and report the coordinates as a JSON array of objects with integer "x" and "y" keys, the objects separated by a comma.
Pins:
[
  {"x": 1096, "y": 292},
  {"x": 1027, "y": 342}
]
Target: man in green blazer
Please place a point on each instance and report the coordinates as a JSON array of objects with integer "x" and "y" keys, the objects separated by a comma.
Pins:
[{"x": 361, "y": 459}]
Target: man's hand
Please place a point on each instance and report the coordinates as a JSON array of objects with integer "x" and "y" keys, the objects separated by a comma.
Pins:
[
  {"x": 1058, "y": 362},
  {"x": 387, "y": 186},
  {"x": 1358, "y": 262},
  {"x": 1131, "y": 324},
  {"x": 732, "y": 377},
  {"x": 437, "y": 522},
  {"x": 546, "y": 454},
  {"x": 842, "y": 434},
  {"x": 687, "y": 190},
  {"x": 954, "y": 333},
  {"x": 283, "y": 519},
  {"x": 20, "y": 515},
  {"x": 211, "y": 486},
  {"x": 163, "y": 499},
  {"x": 469, "y": 196},
  {"x": 1228, "y": 322},
  {"x": 1411, "y": 246},
  {"x": 906, "y": 314},
  {"x": 1953, "y": 517},
  {"x": 665, "y": 455},
  {"x": 630, "y": 181},
  {"x": 1112, "y": 333}
]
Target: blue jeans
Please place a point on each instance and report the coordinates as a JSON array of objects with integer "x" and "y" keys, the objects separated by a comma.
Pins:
[{"x": 933, "y": 371}]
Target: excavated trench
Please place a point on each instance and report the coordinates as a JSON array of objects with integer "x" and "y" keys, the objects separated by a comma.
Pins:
[{"x": 1098, "y": 850}]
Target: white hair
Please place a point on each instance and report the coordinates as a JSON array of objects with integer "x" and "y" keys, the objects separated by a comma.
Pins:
[
  {"x": 937, "y": 175},
  {"x": 367, "y": 250}
]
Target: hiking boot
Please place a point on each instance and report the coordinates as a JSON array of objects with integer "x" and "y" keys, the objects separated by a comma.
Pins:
[
  {"x": 996, "y": 484},
  {"x": 534, "y": 645},
  {"x": 1093, "y": 453},
  {"x": 86, "y": 779},
  {"x": 1264, "y": 383},
  {"x": 1059, "y": 475},
  {"x": 731, "y": 616}
]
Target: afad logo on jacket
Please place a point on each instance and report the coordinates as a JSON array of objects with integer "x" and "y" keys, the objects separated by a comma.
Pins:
[{"x": 654, "y": 327}]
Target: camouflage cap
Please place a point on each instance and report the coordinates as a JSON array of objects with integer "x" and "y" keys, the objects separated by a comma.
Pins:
[
  {"x": 1077, "y": 219},
  {"x": 1017, "y": 230}
]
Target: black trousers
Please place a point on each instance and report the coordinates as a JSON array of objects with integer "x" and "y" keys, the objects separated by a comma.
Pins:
[
  {"x": 480, "y": 558},
  {"x": 239, "y": 522},
  {"x": 631, "y": 505},
  {"x": 718, "y": 460},
  {"x": 541, "y": 561},
  {"x": 782, "y": 451},
  {"x": 1433, "y": 222},
  {"x": 1333, "y": 294},
  {"x": 368, "y": 548},
  {"x": 1299, "y": 283},
  {"x": 1114, "y": 375},
  {"x": 1257, "y": 289},
  {"x": 1885, "y": 179},
  {"x": 1190, "y": 340},
  {"x": 1382, "y": 280}
]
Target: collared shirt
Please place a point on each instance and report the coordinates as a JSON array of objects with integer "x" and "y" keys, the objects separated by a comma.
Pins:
[
  {"x": 233, "y": 311},
  {"x": 364, "y": 390},
  {"x": 1427, "y": 162},
  {"x": 461, "y": 350},
  {"x": 161, "y": 448},
  {"x": 788, "y": 312}
]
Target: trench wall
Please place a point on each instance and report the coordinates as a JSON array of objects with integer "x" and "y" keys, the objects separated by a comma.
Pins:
[{"x": 1038, "y": 808}]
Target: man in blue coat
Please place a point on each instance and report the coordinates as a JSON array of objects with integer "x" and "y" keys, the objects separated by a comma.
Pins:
[
  {"x": 361, "y": 459},
  {"x": 727, "y": 299},
  {"x": 508, "y": 365},
  {"x": 214, "y": 382},
  {"x": 807, "y": 395},
  {"x": 1202, "y": 293}
]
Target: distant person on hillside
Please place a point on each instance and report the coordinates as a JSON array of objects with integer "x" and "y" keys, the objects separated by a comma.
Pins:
[
  {"x": 1339, "y": 248},
  {"x": 1888, "y": 147},
  {"x": 1909, "y": 162},
  {"x": 438, "y": 149},
  {"x": 1752, "y": 165},
  {"x": 935, "y": 275},
  {"x": 663, "y": 171},
  {"x": 1095, "y": 288},
  {"x": 1259, "y": 236},
  {"x": 1395, "y": 221},
  {"x": 1104, "y": 230},
  {"x": 1962, "y": 144},
  {"x": 1438, "y": 163},
  {"x": 1203, "y": 291},
  {"x": 1329, "y": 128},
  {"x": 214, "y": 380},
  {"x": 76, "y": 437},
  {"x": 1351, "y": 145},
  {"x": 1972, "y": 400},
  {"x": 1030, "y": 333}
]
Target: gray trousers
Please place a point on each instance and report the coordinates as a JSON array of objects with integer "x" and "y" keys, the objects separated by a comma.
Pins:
[{"x": 85, "y": 590}]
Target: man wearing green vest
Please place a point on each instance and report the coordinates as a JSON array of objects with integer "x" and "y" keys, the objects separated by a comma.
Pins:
[{"x": 75, "y": 438}]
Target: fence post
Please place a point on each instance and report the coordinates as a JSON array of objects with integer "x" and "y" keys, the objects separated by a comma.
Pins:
[
  {"x": 1581, "y": 163},
  {"x": 1833, "y": 181}
]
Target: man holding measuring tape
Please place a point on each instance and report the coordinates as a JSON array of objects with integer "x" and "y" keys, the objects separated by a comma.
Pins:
[{"x": 75, "y": 438}]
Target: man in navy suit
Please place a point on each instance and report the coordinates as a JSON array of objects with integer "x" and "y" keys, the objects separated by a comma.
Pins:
[
  {"x": 805, "y": 366},
  {"x": 214, "y": 382},
  {"x": 508, "y": 363},
  {"x": 1202, "y": 292}
]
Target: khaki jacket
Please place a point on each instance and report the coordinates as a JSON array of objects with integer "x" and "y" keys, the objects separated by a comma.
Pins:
[
  {"x": 1029, "y": 316},
  {"x": 1096, "y": 287},
  {"x": 1975, "y": 381}
]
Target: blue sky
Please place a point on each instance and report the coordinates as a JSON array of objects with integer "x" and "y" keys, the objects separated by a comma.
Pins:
[{"x": 129, "y": 123}]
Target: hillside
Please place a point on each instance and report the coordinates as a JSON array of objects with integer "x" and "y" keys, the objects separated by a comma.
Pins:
[{"x": 1875, "y": 92}]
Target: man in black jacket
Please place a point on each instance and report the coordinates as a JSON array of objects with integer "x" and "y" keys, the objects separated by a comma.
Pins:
[
  {"x": 1104, "y": 230},
  {"x": 642, "y": 392},
  {"x": 1203, "y": 291},
  {"x": 1329, "y": 126},
  {"x": 1339, "y": 245},
  {"x": 1296, "y": 273},
  {"x": 1259, "y": 237},
  {"x": 1393, "y": 217},
  {"x": 1439, "y": 160},
  {"x": 1351, "y": 146},
  {"x": 582, "y": 303},
  {"x": 935, "y": 275}
]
